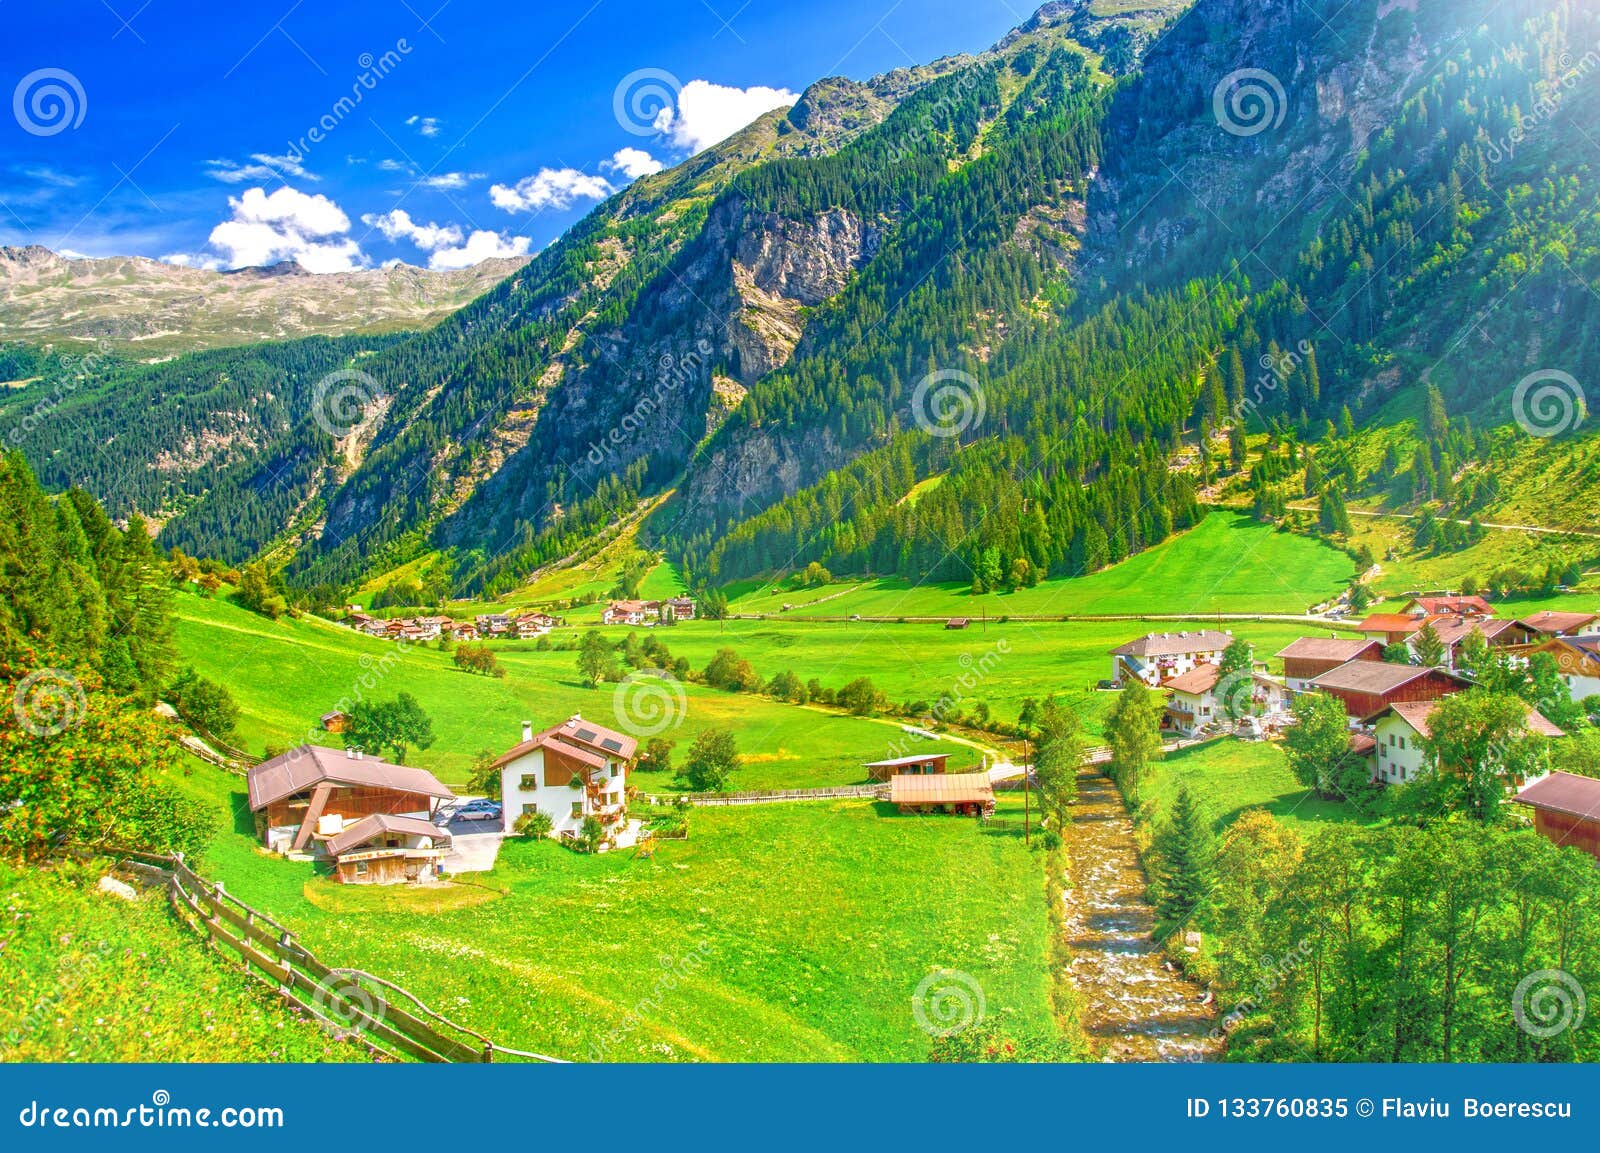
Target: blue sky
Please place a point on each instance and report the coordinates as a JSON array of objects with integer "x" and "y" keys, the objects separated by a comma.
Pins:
[{"x": 431, "y": 131}]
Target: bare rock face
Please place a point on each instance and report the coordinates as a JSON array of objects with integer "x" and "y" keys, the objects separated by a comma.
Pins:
[{"x": 150, "y": 310}]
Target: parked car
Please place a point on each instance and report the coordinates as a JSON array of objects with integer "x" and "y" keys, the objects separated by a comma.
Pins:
[{"x": 479, "y": 810}]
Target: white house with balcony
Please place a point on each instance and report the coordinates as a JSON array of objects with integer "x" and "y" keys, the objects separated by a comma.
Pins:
[
  {"x": 570, "y": 772},
  {"x": 1156, "y": 658}
]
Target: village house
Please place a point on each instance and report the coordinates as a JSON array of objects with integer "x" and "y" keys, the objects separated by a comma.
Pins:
[
  {"x": 921, "y": 764},
  {"x": 531, "y": 625},
  {"x": 465, "y": 632},
  {"x": 493, "y": 624},
  {"x": 1390, "y": 628},
  {"x": 1400, "y": 729},
  {"x": 569, "y": 772},
  {"x": 1566, "y": 810},
  {"x": 306, "y": 796},
  {"x": 1454, "y": 631},
  {"x": 678, "y": 608},
  {"x": 631, "y": 613},
  {"x": 1439, "y": 606},
  {"x": 1578, "y": 661},
  {"x": 1307, "y": 658},
  {"x": 1199, "y": 701},
  {"x": 1156, "y": 658},
  {"x": 969, "y": 794},
  {"x": 387, "y": 850},
  {"x": 1366, "y": 688},
  {"x": 1560, "y": 624}
]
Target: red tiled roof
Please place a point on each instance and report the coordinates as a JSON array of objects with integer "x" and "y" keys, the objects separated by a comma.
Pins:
[
  {"x": 1554, "y": 624},
  {"x": 582, "y": 740},
  {"x": 1452, "y": 604},
  {"x": 1200, "y": 679},
  {"x": 1416, "y": 714},
  {"x": 940, "y": 788},
  {"x": 1390, "y": 623},
  {"x": 1339, "y": 649}
]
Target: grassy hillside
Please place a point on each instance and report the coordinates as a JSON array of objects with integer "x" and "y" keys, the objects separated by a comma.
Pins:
[
  {"x": 88, "y": 977},
  {"x": 1229, "y": 563},
  {"x": 791, "y": 932}
]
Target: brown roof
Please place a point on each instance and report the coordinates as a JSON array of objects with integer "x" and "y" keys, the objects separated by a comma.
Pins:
[
  {"x": 1453, "y": 630},
  {"x": 940, "y": 788},
  {"x": 370, "y": 828},
  {"x": 1564, "y": 793},
  {"x": 1587, "y": 661},
  {"x": 1362, "y": 744},
  {"x": 1416, "y": 714},
  {"x": 1390, "y": 623},
  {"x": 306, "y": 765},
  {"x": 1200, "y": 679},
  {"x": 579, "y": 739},
  {"x": 1175, "y": 644},
  {"x": 1339, "y": 649},
  {"x": 1372, "y": 676},
  {"x": 1553, "y": 623}
]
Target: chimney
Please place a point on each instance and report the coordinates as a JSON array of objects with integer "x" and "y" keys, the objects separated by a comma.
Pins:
[{"x": 527, "y": 730}]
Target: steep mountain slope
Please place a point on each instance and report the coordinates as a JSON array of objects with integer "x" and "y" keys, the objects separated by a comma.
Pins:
[{"x": 144, "y": 309}]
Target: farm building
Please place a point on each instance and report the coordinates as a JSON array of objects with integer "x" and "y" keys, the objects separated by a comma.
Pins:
[
  {"x": 1400, "y": 730},
  {"x": 970, "y": 794},
  {"x": 916, "y": 765},
  {"x": 1368, "y": 687},
  {"x": 957, "y": 623},
  {"x": 1307, "y": 658},
  {"x": 1566, "y": 810},
  {"x": 1555, "y": 624},
  {"x": 1578, "y": 659},
  {"x": 678, "y": 609},
  {"x": 312, "y": 792},
  {"x": 570, "y": 772},
  {"x": 335, "y": 721},
  {"x": 386, "y": 850},
  {"x": 1158, "y": 657},
  {"x": 631, "y": 612}
]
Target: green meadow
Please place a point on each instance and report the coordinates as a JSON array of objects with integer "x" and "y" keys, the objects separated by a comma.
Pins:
[{"x": 793, "y": 932}]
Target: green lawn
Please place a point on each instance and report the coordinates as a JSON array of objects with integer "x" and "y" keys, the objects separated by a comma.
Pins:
[
  {"x": 785, "y": 933},
  {"x": 1229, "y": 564},
  {"x": 1228, "y": 776},
  {"x": 285, "y": 674},
  {"x": 88, "y": 977}
]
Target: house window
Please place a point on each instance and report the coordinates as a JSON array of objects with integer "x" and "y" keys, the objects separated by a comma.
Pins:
[
  {"x": 529, "y": 808},
  {"x": 577, "y": 808},
  {"x": 361, "y": 868},
  {"x": 530, "y": 782}
]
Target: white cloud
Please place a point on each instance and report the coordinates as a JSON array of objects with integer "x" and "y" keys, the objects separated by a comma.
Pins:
[
  {"x": 449, "y": 181},
  {"x": 389, "y": 164},
  {"x": 550, "y": 188},
  {"x": 263, "y": 166},
  {"x": 287, "y": 225},
  {"x": 398, "y": 225},
  {"x": 708, "y": 113},
  {"x": 426, "y": 125},
  {"x": 481, "y": 245},
  {"x": 632, "y": 163}
]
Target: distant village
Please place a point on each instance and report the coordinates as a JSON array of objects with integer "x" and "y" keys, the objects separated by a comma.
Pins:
[
  {"x": 1388, "y": 703},
  {"x": 521, "y": 626}
]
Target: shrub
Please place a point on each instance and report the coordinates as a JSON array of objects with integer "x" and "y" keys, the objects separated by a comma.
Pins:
[{"x": 536, "y": 823}]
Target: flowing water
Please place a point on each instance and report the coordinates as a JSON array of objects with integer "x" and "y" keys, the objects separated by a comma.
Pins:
[{"x": 1135, "y": 1007}]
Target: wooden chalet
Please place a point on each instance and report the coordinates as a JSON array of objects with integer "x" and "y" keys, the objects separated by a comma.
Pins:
[
  {"x": 1578, "y": 662},
  {"x": 1368, "y": 687},
  {"x": 1566, "y": 810},
  {"x": 920, "y": 765},
  {"x": 387, "y": 850},
  {"x": 1307, "y": 658},
  {"x": 969, "y": 794},
  {"x": 311, "y": 791}
]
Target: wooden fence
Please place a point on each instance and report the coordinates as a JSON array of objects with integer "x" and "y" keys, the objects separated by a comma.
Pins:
[
  {"x": 383, "y": 1015},
  {"x": 771, "y": 796}
]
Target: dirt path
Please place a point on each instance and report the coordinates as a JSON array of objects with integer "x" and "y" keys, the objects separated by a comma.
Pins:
[{"x": 1134, "y": 1007}]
